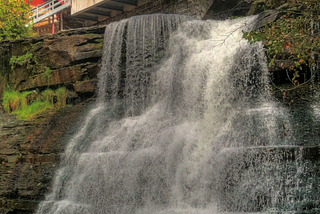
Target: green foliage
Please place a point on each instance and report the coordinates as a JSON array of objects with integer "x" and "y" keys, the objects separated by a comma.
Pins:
[
  {"x": 30, "y": 111},
  {"x": 15, "y": 19},
  {"x": 61, "y": 97},
  {"x": 21, "y": 60},
  {"x": 27, "y": 104},
  {"x": 272, "y": 4},
  {"x": 48, "y": 95},
  {"x": 99, "y": 46},
  {"x": 47, "y": 74},
  {"x": 23, "y": 99},
  {"x": 11, "y": 101},
  {"x": 291, "y": 36}
]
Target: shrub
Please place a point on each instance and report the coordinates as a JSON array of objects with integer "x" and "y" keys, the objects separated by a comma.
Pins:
[
  {"x": 15, "y": 19},
  {"x": 292, "y": 35}
]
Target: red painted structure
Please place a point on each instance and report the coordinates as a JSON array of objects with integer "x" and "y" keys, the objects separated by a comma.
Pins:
[
  {"x": 35, "y": 2},
  {"x": 39, "y": 2}
]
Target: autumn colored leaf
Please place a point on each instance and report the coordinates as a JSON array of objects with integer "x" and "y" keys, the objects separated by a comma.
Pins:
[{"x": 286, "y": 46}]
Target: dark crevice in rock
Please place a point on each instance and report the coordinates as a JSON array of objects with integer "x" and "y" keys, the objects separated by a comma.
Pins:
[{"x": 85, "y": 60}]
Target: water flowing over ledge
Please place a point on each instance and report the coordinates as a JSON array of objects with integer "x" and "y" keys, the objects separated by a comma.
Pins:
[{"x": 179, "y": 101}]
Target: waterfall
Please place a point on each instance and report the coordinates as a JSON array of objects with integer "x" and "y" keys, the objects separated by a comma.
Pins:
[{"x": 183, "y": 123}]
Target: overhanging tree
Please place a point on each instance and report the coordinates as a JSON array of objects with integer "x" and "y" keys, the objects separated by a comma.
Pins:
[
  {"x": 292, "y": 36},
  {"x": 15, "y": 19}
]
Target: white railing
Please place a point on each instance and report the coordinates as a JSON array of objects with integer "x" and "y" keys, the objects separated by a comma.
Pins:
[{"x": 49, "y": 8}]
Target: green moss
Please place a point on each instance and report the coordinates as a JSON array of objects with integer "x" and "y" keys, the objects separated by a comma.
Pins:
[
  {"x": 100, "y": 40},
  {"x": 99, "y": 46}
]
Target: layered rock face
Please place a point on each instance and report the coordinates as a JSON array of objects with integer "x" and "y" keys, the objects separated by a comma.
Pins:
[
  {"x": 30, "y": 153},
  {"x": 72, "y": 57},
  {"x": 30, "y": 150}
]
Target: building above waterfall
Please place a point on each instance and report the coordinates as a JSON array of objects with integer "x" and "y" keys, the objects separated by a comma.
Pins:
[
  {"x": 99, "y": 10},
  {"x": 86, "y": 13},
  {"x": 107, "y": 11}
]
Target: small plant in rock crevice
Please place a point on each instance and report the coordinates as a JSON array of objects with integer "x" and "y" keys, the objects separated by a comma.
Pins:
[
  {"x": 48, "y": 96},
  {"x": 21, "y": 60},
  {"x": 61, "y": 94},
  {"x": 47, "y": 75}
]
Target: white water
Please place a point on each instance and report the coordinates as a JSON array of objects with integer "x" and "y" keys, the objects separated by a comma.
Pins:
[{"x": 173, "y": 107}]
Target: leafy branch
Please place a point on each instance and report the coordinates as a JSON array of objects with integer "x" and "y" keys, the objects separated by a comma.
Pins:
[
  {"x": 15, "y": 21},
  {"x": 292, "y": 35}
]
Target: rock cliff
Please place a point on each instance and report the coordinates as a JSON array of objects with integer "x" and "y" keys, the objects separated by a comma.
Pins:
[
  {"x": 30, "y": 150},
  {"x": 71, "y": 56}
]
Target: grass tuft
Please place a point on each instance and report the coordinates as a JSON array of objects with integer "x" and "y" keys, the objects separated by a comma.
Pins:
[
  {"x": 28, "y": 104},
  {"x": 32, "y": 110},
  {"x": 61, "y": 94},
  {"x": 48, "y": 96},
  {"x": 11, "y": 101}
]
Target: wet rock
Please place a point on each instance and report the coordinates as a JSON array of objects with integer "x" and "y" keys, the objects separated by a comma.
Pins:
[
  {"x": 85, "y": 86},
  {"x": 29, "y": 155},
  {"x": 256, "y": 7}
]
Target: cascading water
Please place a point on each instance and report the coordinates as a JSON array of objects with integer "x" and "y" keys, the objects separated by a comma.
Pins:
[{"x": 182, "y": 112}]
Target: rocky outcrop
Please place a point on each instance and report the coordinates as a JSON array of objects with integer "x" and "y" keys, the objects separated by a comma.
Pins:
[
  {"x": 222, "y": 9},
  {"x": 30, "y": 153},
  {"x": 67, "y": 58},
  {"x": 30, "y": 150}
]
